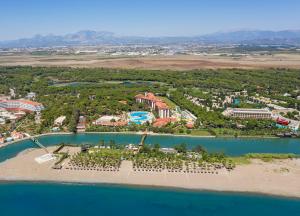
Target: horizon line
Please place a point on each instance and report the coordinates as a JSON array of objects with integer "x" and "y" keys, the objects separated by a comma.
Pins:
[{"x": 157, "y": 36}]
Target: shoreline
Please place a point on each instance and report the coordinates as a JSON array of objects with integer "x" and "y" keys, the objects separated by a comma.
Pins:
[{"x": 145, "y": 186}]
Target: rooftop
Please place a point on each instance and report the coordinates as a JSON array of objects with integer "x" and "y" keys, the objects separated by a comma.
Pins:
[{"x": 22, "y": 101}]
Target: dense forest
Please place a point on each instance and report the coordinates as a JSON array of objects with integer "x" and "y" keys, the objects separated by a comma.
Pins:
[
  {"x": 99, "y": 91},
  {"x": 273, "y": 80}
]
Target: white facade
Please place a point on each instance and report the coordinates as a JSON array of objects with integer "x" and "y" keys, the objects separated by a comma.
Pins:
[
  {"x": 31, "y": 95},
  {"x": 164, "y": 113},
  {"x": 248, "y": 113},
  {"x": 60, "y": 120},
  {"x": 188, "y": 116}
]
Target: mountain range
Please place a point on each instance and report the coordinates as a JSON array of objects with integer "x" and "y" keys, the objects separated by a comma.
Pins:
[{"x": 243, "y": 37}]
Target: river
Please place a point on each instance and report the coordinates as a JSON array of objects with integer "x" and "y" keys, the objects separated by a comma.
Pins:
[{"x": 230, "y": 146}]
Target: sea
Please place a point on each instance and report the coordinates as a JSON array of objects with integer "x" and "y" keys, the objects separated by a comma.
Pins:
[{"x": 54, "y": 199}]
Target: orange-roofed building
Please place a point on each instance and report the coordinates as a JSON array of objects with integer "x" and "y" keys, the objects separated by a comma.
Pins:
[
  {"x": 155, "y": 103},
  {"x": 16, "y": 135},
  {"x": 190, "y": 125},
  {"x": 21, "y": 105},
  {"x": 163, "y": 122}
]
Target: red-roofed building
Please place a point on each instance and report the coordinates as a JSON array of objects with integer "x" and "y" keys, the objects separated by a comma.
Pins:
[
  {"x": 16, "y": 135},
  {"x": 163, "y": 122},
  {"x": 190, "y": 125},
  {"x": 155, "y": 103},
  {"x": 81, "y": 125},
  {"x": 21, "y": 105}
]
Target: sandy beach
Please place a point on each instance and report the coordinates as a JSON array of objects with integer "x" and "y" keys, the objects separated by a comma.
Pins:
[{"x": 280, "y": 177}]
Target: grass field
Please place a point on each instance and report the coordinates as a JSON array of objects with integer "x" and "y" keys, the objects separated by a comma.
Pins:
[{"x": 200, "y": 133}]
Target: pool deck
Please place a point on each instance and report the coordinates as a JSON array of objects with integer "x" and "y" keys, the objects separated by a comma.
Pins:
[{"x": 140, "y": 117}]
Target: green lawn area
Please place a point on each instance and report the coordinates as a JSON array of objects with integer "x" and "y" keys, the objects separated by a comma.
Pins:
[
  {"x": 240, "y": 160},
  {"x": 266, "y": 157},
  {"x": 226, "y": 132},
  {"x": 200, "y": 133}
]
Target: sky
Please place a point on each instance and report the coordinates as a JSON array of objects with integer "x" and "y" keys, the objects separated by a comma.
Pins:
[{"x": 26, "y": 18}]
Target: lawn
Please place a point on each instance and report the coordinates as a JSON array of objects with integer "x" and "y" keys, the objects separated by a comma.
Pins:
[{"x": 200, "y": 133}]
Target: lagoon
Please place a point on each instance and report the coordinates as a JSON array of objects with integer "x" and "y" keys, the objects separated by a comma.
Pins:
[{"x": 230, "y": 146}]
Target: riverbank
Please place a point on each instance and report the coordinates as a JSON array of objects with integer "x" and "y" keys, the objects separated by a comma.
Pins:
[{"x": 279, "y": 177}]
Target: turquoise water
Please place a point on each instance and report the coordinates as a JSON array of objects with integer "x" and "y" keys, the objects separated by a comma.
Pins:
[
  {"x": 281, "y": 126},
  {"x": 74, "y": 199},
  {"x": 139, "y": 117},
  {"x": 236, "y": 101},
  {"x": 47, "y": 199},
  {"x": 230, "y": 146}
]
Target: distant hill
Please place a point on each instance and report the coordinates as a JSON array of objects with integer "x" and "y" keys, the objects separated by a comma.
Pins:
[
  {"x": 288, "y": 37},
  {"x": 255, "y": 37}
]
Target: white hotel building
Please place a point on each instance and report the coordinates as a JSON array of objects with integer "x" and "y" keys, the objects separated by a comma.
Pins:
[{"x": 248, "y": 113}]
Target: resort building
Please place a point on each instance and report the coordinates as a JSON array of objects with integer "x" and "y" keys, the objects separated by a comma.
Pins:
[
  {"x": 260, "y": 100},
  {"x": 248, "y": 113},
  {"x": 31, "y": 96},
  {"x": 7, "y": 115},
  {"x": 21, "y": 105},
  {"x": 155, "y": 103},
  {"x": 161, "y": 122},
  {"x": 60, "y": 120},
  {"x": 168, "y": 150},
  {"x": 17, "y": 135},
  {"x": 279, "y": 109},
  {"x": 81, "y": 125},
  {"x": 188, "y": 116},
  {"x": 112, "y": 121}
]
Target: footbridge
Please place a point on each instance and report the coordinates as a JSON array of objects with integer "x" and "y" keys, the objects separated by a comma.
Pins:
[
  {"x": 36, "y": 142},
  {"x": 144, "y": 137}
]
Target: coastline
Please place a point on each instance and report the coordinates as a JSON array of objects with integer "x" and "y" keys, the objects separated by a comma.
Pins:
[{"x": 277, "y": 178}]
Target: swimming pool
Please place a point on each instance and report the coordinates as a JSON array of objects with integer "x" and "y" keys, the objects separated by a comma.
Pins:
[{"x": 140, "y": 117}]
